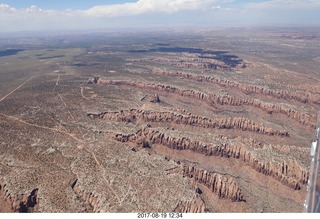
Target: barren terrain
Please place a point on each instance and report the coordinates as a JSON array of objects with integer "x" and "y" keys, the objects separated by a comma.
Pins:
[{"x": 195, "y": 121}]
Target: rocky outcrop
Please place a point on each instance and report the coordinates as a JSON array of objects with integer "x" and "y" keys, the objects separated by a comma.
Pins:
[
  {"x": 181, "y": 111},
  {"x": 287, "y": 172},
  {"x": 239, "y": 123},
  {"x": 93, "y": 80},
  {"x": 151, "y": 136},
  {"x": 196, "y": 205},
  {"x": 203, "y": 64},
  {"x": 151, "y": 98},
  {"x": 19, "y": 203},
  {"x": 88, "y": 197},
  {"x": 201, "y": 61},
  {"x": 212, "y": 99},
  {"x": 302, "y": 97},
  {"x": 223, "y": 186}
]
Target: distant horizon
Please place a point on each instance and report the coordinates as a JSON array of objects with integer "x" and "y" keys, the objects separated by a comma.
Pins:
[
  {"x": 150, "y": 29},
  {"x": 35, "y": 15}
]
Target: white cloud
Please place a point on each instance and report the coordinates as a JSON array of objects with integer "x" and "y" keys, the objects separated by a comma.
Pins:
[
  {"x": 34, "y": 9},
  {"x": 35, "y": 18},
  {"x": 4, "y": 8},
  {"x": 162, "y": 12},
  {"x": 146, "y": 6},
  {"x": 125, "y": 9},
  {"x": 286, "y": 4}
]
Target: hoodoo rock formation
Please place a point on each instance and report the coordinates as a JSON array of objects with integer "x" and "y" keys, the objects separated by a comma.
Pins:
[
  {"x": 213, "y": 99},
  {"x": 240, "y": 123},
  {"x": 88, "y": 197},
  {"x": 288, "y": 173},
  {"x": 195, "y": 206},
  {"x": 223, "y": 186}
]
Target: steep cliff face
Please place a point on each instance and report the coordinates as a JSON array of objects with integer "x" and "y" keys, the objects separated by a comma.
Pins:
[
  {"x": 287, "y": 172},
  {"x": 88, "y": 197},
  {"x": 223, "y": 186},
  {"x": 21, "y": 202},
  {"x": 212, "y": 99},
  {"x": 197, "y": 205},
  {"x": 151, "y": 98},
  {"x": 240, "y": 123},
  {"x": 302, "y": 97},
  {"x": 204, "y": 62}
]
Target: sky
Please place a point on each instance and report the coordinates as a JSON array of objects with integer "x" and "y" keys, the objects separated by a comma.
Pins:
[{"x": 33, "y": 15}]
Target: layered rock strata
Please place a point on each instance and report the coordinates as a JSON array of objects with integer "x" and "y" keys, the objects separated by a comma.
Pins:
[
  {"x": 240, "y": 123},
  {"x": 302, "y": 97},
  {"x": 206, "y": 62},
  {"x": 288, "y": 173},
  {"x": 212, "y": 99},
  {"x": 21, "y": 202},
  {"x": 88, "y": 197},
  {"x": 223, "y": 186},
  {"x": 196, "y": 205}
]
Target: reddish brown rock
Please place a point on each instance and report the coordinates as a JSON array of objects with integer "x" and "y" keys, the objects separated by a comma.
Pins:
[
  {"x": 302, "y": 97},
  {"x": 151, "y": 98},
  {"x": 288, "y": 173},
  {"x": 197, "y": 205},
  {"x": 20, "y": 202},
  {"x": 240, "y": 123},
  {"x": 88, "y": 197},
  {"x": 223, "y": 186},
  {"x": 213, "y": 99}
]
